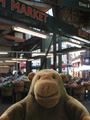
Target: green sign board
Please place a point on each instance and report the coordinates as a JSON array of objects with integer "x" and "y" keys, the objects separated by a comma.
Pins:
[
  {"x": 19, "y": 11},
  {"x": 19, "y": 8},
  {"x": 78, "y": 4}
]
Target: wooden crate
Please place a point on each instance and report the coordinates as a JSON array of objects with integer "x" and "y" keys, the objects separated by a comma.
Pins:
[
  {"x": 79, "y": 90},
  {"x": 27, "y": 84},
  {"x": 18, "y": 88},
  {"x": 87, "y": 86},
  {"x": 6, "y": 92}
]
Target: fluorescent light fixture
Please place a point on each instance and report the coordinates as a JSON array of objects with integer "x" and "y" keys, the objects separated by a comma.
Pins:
[
  {"x": 84, "y": 67},
  {"x": 42, "y": 54},
  {"x": 81, "y": 39},
  {"x": 79, "y": 51},
  {"x": 37, "y": 54},
  {"x": 3, "y": 52},
  {"x": 30, "y": 59},
  {"x": 10, "y": 61},
  {"x": 74, "y": 44},
  {"x": 75, "y": 41},
  {"x": 49, "y": 56},
  {"x": 19, "y": 59},
  {"x": 30, "y": 31},
  {"x": 4, "y": 66},
  {"x": 77, "y": 60}
]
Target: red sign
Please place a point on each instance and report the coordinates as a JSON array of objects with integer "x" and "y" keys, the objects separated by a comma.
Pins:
[
  {"x": 26, "y": 10},
  {"x": 83, "y": 34}
]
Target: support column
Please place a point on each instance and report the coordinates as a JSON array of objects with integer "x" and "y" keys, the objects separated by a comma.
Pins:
[
  {"x": 17, "y": 66},
  {"x": 28, "y": 63},
  {"x": 60, "y": 56},
  {"x": 54, "y": 51},
  {"x": 46, "y": 43},
  {"x": 28, "y": 67}
]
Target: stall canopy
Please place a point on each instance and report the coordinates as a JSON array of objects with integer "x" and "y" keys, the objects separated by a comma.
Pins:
[
  {"x": 66, "y": 65},
  {"x": 23, "y": 66}
]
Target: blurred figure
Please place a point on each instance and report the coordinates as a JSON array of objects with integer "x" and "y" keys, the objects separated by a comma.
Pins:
[
  {"x": 31, "y": 75},
  {"x": 9, "y": 73},
  {"x": 64, "y": 77},
  {"x": 19, "y": 72}
]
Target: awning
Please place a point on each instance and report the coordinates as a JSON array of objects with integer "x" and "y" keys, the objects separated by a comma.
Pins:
[
  {"x": 23, "y": 66},
  {"x": 66, "y": 65}
]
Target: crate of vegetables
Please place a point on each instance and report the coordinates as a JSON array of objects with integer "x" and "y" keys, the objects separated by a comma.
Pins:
[
  {"x": 87, "y": 85},
  {"x": 18, "y": 86},
  {"x": 7, "y": 89},
  {"x": 26, "y": 81},
  {"x": 79, "y": 89}
]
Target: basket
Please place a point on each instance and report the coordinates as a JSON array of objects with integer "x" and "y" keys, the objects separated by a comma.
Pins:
[
  {"x": 27, "y": 84},
  {"x": 6, "y": 92},
  {"x": 79, "y": 90},
  {"x": 18, "y": 88},
  {"x": 87, "y": 86}
]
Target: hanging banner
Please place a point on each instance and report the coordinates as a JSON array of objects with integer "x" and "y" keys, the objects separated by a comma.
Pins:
[{"x": 78, "y": 4}]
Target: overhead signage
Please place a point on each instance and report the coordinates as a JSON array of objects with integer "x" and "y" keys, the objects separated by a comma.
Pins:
[
  {"x": 18, "y": 7},
  {"x": 78, "y": 4},
  {"x": 20, "y": 12},
  {"x": 83, "y": 34}
]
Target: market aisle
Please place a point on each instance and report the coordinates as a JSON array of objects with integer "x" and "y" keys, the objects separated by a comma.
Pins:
[
  {"x": 86, "y": 103},
  {"x": 4, "y": 104}
]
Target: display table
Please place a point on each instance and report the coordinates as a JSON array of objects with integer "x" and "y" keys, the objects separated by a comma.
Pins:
[{"x": 77, "y": 91}]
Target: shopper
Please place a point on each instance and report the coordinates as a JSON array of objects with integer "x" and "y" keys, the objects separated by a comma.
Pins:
[
  {"x": 19, "y": 72},
  {"x": 9, "y": 73}
]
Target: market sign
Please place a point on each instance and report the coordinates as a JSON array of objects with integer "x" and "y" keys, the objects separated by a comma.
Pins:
[
  {"x": 78, "y": 4},
  {"x": 20, "y": 12},
  {"x": 20, "y": 8}
]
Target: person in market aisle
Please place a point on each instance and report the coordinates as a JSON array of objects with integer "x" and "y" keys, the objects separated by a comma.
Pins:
[
  {"x": 31, "y": 75},
  {"x": 64, "y": 78},
  {"x": 19, "y": 72},
  {"x": 9, "y": 73}
]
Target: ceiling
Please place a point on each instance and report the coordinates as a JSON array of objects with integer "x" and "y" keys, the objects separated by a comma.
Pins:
[
  {"x": 7, "y": 34},
  {"x": 72, "y": 16}
]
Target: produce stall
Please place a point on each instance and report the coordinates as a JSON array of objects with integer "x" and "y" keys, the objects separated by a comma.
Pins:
[
  {"x": 76, "y": 88},
  {"x": 14, "y": 87}
]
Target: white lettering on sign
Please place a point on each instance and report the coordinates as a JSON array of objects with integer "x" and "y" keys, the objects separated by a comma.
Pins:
[{"x": 81, "y": 4}]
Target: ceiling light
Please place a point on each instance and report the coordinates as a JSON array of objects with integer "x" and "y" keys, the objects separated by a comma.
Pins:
[
  {"x": 50, "y": 56},
  {"x": 84, "y": 67},
  {"x": 10, "y": 61},
  {"x": 19, "y": 59},
  {"x": 37, "y": 54},
  {"x": 30, "y": 31},
  {"x": 77, "y": 60},
  {"x": 3, "y": 52},
  {"x": 79, "y": 51},
  {"x": 75, "y": 41},
  {"x": 30, "y": 59},
  {"x": 4, "y": 66},
  {"x": 74, "y": 44},
  {"x": 81, "y": 39}
]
